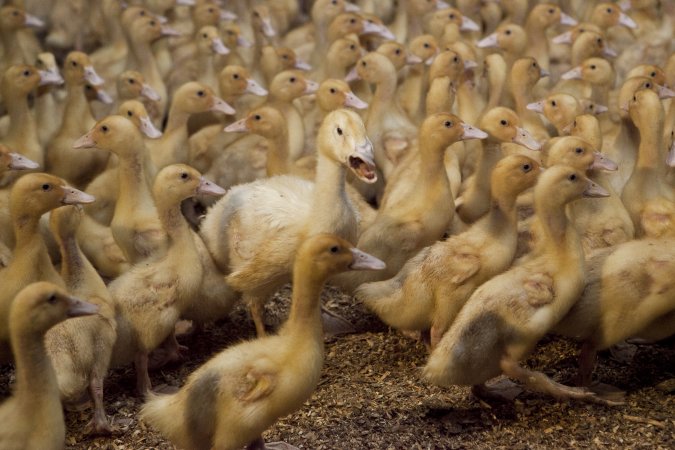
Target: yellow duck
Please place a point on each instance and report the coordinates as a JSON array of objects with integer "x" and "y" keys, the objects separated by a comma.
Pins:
[
  {"x": 32, "y": 417},
  {"x": 233, "y": 398}
]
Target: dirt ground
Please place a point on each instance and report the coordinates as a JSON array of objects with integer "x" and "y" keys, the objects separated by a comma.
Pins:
[{"x": 371, "y": 396}]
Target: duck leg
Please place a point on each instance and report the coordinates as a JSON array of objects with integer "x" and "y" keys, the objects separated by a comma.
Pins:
[
  {"x": 259, "y": 444},
  {"x": 587, "y": 356},
  {"x": 143, "y": 384},
  {"x": 169, "y": 352},
  {"x": 539, "y": 382},
  {"x": 256, "y": 307},
  {"x": 99, "y": 423}
]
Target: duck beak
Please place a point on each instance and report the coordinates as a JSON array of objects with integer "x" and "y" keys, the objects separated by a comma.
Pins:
[
  {"x": 148, "y": 92},
  {"x": 86, "y": 141},
  {"x": 227, "y": 15},
  {"x": 353, "y": 101},
  {"x": 218, "y": 46},
  {"x": 543, "y": 73},
  {"x": 237, "y": 127},
  {"x": 311, "y": 87},
  {"x": 665, "y": 92},
  {"x": 33, "y": 21},
  {"x": 362, "y": 162},
  {"x": 353, "y": 75},
  {"x": 595, "y": 190},
  {"x": 207, "y": 187},
  {"x": 470, "y": 64},
  {"x": 440, "y": 4},
  {"x": 103, "y": 97},
  {"x": 185, "y": 2},
  {"x": 252, "y": 87},
  {"x": 625, "y": 5},
  {"x": 490, "y": 41},
  {"x": 77, "y": 307},
  {"x": 267, "y": 28},
  {"x": 567, "y": 20},
  {"x": 670, "y": 159},
  {"x": 75, "y": 197},
  {"x": 92, "y": 77},
  {"x": 597, "y": 108},
  {"x": 601, "y": 162},
  {"x": 51, "y": 76},
  {"x": 221, "y": 105},
  {"x": 20, "y": 162},
  {"x": 471, "y": 132},
  {"x": 572, "y": 74},
  {"x": 365, "y": 261},
  {"x": 536, "y": 106},
  {"x": 564, "y": 38},
  {"x": 468, "y": 25},
  {"x": 609, "y": 52},
  {"x": 243, "y": 42},
  {"x": 524, "y": 138},
  {"x": 168, "y": 31},
  {"x": 302, "y": 65},
  {"x": 626, "y": 21},
  {"x": 350, "y": 7},
  {"x": 413, "y": 59},
  {"x": 380, "y": 30},
  {"x": 149, "y": 129},
  {"x": 162, "y": 19}
]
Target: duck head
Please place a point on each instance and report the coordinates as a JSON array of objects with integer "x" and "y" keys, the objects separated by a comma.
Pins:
[
  {"x": 131, "y": 84},
  {"x": 177, "y": 182},
  {"x": 334, "y": 94},
  {"x": 503, "y": 124},
  {"x": 36, "y": 193},
  {"x": 135, "y": 111}
]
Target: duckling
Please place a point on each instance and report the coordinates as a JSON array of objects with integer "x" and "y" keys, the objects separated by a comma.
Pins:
[
  {"x": 510, "y": 38},
  {"x": 339, "y": 58},
  {"x": 431, "y": 288},
  {"x": 80, "y": 349},
  {"x": 389, "y": 128},
  {"x": 259, "y": 262},
  {"x": 323, "y": 12},
  {"x": 436, "y": 24},
  {"x": 559, "y": 109},
  {"x": 502, "y": 126},
  {"x": 246, "y": 388},
  {"x": 13, "y": 20},
  {"x": 649, "y": 199},
  {"x": 417, "y": 206},
  {"x": 33, "y": 417},
  {"x": 233, "y": 39},
  {"x": 628, "y": 293},
  {"x": 190, "y": 98},
  {"x": 45, "y": 102},
  {"x": 444, "y": 77},
  {"x": 524, "y": 75},
  {"x": 597, "y": 74},
  {"x": 31, "y": 196},
  {"x": 412, "y": 90},
  {"x": 409, "y": 17},
  {"x": 538, "y": 20},
  {"x": 277, "y": 59},
  {"x": 169, "y": 282},
  {"x": 135, "y": 224},
  {"x": 131, "y": 85},
  {"x": 17, "y": 84},
  {"x": 77, "y": 119},
  {"x": 506, "y": 316},
  {"x": 398, "y": 55}
]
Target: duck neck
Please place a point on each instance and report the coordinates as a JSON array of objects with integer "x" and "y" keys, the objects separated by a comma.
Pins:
[
  {"x": 305, "y": 315},
  {"x": 72, "y": 260},
  {"x": 177, "y": 121},
  {"x": 26, "y": 231},
  {"x": 133, "y": 187},
  {"x": 76, "y": 111},
  {"x": 502, "y": 215},
  {"x": 35, "y": 376},
  {"x": 651, "y": 144},
  {"x": 331, "y": 209},
  {"x": 21, "y": 120},
  {"x": 383, "y": 98},
  {"x": 556, "y": 235},
  {"x": 13, "y": 53},
  {"x": 175, "y": 225},
  {"x": 146, "y": 62},
  {"x": 432, "y": 155},
  {"x": 490, "y": 154},
  {"x": 277, "y": 153}
]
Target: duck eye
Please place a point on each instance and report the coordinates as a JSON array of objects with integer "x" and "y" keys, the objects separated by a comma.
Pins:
[
  {"x": 46, "y": 187},
  {"x": 455, "y": 59},
  {"x": 15, "y": 13},
  {"x": 26, "y": 73},
  {"x": 292, "y": 80},
  {"x": 503, "y": 122},
  {"x": 334, "y": 2},
  {"x": 363, "y": 64},
  {"x": 609, "y": 10},
  {"x": 184, "y": 176},
  {"x": 554, "y": 103},
  {"x": 507, "y": 32},
  {"x": 352, "y": 21},
  {"x": 451, "y": 16},
  {"x": 572, "y": 177},
  {"x": 334, "y": 249},
  {"x": 129, "y": 113},
  {"x": 534, "y": 64},
  {"x": 152, "y": 23},
  {"x": 593, "y": 67},
  {"x": 647, "y": 85},
  {"x": 235, "y": 76},
  {"x": 551, "y": 11},
  {"x": 579, "y": 150},
  {"x": 132, "y": 81},
  {"x": 339, "y": 131},
  {"x": 398, "y": 51},
  {"x": 73, "y": 63},
  {"x": 653, "y": 74},
  {"x": 200, "y": 93},
  {"x": 448, "y": 124},
  {"x": 526, "y": 167},
  {"x": 257, "y": 117},
  {"x": 426, "y": 45},
  {"x": 104, "y": 128},
  {"x": 205, "y": 36},
  {"x": 332, "y": 90},
  {"x": 352, "y": 47},
  {"x": 52, "y": 299},
  {"x": 634, "y": 99},
  {"x": 211, "y": 10},
  {"x": 599, "y": 41}
]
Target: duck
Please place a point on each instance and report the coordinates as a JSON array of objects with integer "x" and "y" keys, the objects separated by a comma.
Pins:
[
  {"x": 431, "y": 288},
  {"x": 598, "y": 76},
  {"x": 46, "y": 106},
  {"x": 233, "y": 39},
  {"x": 80, "y": 349},
  {"x": 131, "y": 85},
  {"x": 191, "y": 98},
  {"x": 540, "y": 18},
  {"x": 411, "y": 92},
  {"x": 440, "y": 18},
  {"x": 33, "y": 415},
  {"x": 14, "y": 20},
  {"x": 444, "y": 76},
  {"x": 559, "y": 109},
  {"x": 410, "y": 16},
  {"x": 259, "y": 263},
  {"x": 649, "y": 198},
  {"x": 524, "y": 75},
  {"x": 135, "y": 224},
  {"x": 322, "y": 13},
  {"x": 169, "y": 282},
  {"x": 627, "y": 294},
  {"x": 340, "y": 56},
  {"x": 17, "y": 84},
  {"x": 77, "y": 119},
  {"x": 502, "y": 126},
  {"x": 31, "y": 196},
  {"x": 274, "y": 60},
  {"x": 261, "y": 380},
  {"x": 417, "y": 206},
  {"x": 510, "y": 38},
  {"x": 505, "y": 317},
  {"x": 388, "y": 126}
]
